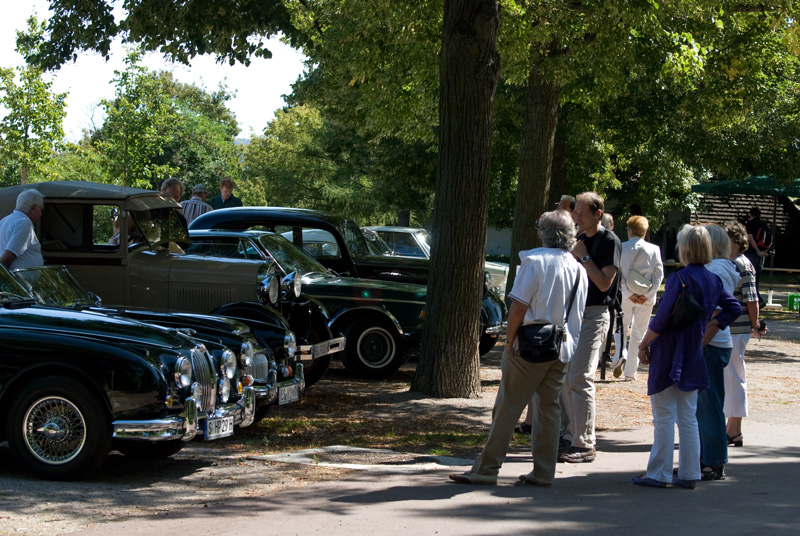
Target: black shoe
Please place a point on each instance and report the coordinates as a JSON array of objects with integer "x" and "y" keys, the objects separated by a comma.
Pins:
[
  {"x": 523, "y": 428},
  {"x": 712, "y": 472}
]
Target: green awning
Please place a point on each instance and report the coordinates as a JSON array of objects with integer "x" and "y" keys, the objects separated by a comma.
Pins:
[{"x": 750, "y": 186}]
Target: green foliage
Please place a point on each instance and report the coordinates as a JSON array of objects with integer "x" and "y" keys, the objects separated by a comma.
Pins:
[
  {"x": 235, "y": 30},
  {"x": 136, "y": 129},
  {"x": 304, "y": 161},
  {"x": 32, "y": 129}
]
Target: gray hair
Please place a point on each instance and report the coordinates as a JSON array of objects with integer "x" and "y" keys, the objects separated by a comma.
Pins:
[
  {"x": 720, "y": 242},
  {"x": 170, "y": 183},
  {"x": 557, "y": 230},
  {"x": 27, "y": 199},
  {"x": 694, "y": 245}
]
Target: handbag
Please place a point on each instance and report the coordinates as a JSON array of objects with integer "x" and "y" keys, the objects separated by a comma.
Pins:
[
  {"x": 635, "y": 281},
  {"x": 540, "y": 343},
  {"x": 686, "y": 310}
]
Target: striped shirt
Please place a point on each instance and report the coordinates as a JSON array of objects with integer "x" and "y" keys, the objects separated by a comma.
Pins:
[
  {"x": 745, "y": 292},
  {"x": 193, "y": 208}
]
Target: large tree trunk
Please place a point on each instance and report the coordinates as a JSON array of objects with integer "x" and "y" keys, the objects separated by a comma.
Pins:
[
  {"x": 449, "y": 365},
  {"x": 535, "y": 165}
]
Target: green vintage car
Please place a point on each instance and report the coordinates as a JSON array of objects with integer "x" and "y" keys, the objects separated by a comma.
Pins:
[{"x": 382, "y": 320}]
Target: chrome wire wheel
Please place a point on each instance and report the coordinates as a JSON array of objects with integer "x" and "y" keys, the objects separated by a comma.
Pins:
[{"x": 54, "y": 430}]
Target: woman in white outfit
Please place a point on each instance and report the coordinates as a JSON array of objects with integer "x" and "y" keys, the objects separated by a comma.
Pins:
[
  {"x": 637, "y": 301},
  {"x": 742, "y": 329}
]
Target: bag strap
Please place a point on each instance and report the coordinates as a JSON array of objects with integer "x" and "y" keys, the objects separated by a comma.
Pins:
[{"x": 572, "y": 297}]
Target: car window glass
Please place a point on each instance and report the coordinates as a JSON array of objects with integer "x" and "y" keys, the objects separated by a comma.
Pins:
[
  {"x": 218, "y": 247},
  {"x": 160, "y": 226},
  {"x": 318, "y": 243},
  {"x": 354, "y": 238},
  {"x": 288, "y": 257},
  {"x": 80, "y": 227},
  {"x": 403, "y": 244}
]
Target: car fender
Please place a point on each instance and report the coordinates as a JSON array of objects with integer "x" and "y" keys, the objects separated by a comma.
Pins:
[
  {"x": 493, "y": 312},
  {"x": 345, "y": 316}
]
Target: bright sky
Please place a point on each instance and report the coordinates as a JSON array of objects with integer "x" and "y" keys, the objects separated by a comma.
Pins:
[{"x": 259, "y": 88}]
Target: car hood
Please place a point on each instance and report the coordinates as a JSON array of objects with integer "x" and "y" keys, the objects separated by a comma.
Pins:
[
  {"x": 90, "y": 325},
  {"x": 368, "y": 290}
]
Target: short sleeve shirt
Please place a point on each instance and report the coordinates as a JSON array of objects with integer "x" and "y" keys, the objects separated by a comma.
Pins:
[
  {"x": 17, "y": 235},
  {"x": 605, "y": 249},
  {"x": 544, "y": 283},
  {"x": 745, "y": 292}
]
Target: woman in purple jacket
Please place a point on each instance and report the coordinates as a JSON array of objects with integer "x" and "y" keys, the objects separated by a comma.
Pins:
[{"x": 677, "y": 367}]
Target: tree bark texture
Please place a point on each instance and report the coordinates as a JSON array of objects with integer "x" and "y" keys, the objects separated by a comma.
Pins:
[
  {"x": 469, "y": 67},
  {"x": 535, "y": 165}
]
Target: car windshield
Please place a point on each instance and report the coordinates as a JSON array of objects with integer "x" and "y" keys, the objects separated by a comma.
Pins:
[
  {"x": 159, "y": 226},
  {"x": 354, "y": 239},
  {"x": 10, "y": 289},
  {"x": 424, "y": 240},
  {"x": 375, "y": 243},
  {"x": 54, "y": 285},
  {"x": 289, "y": 257}
]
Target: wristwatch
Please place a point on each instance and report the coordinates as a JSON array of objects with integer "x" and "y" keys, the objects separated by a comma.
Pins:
[{"x": 585, "y": 258}]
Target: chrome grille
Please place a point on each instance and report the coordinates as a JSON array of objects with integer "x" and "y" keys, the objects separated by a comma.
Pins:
[
  {"x": 260, "y": 367},
  {"x": 204, "y": 376}
]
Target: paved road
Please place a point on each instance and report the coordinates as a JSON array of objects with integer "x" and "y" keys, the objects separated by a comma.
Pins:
[{"x": 760, "y": 496}]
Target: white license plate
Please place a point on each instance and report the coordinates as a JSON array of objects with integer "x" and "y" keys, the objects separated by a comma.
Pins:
[
  {"x": 288, "y": 394},
  {"x": 220, "y": 427}
]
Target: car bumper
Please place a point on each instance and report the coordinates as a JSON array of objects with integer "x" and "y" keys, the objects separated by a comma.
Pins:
[
  {"x": 285, "y": 392},
  {"x": 309, "y": 352},
  {"x": 186, "y": 424}
]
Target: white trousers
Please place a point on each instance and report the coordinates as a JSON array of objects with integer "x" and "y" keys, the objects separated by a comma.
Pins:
[
  {"x": 736, "y": 378},
  {"x": 672, "y": 406},
  {"x": 636, "y": 318}
]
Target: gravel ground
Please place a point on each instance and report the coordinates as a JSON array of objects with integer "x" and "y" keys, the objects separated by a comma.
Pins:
[{"x": 218, "y": 472}]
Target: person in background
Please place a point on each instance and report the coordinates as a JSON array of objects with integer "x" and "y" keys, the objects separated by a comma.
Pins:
[
  {"x": 18, "y": 242},
  {"x": 758, "y": 238},
  {"x": 677, "y": 368},
  {"x": 196, "y": 206},
  {"x": 173, "y": 187},
  {"x": 566, "y": 203},
  {"x": 607, "y": 221},
  {"x": 717, "y": 354},
  {"x": 744, "y": 327},
  {"x": 225, "y": 199},
  {"x": 541, "y": 294},
  {"x": 645, "y": 258},
  {"x": 598, "y": 250}
]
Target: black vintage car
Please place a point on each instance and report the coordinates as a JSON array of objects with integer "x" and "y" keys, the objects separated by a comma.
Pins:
[
  {"x": 339, "y": 244},
  {"x": 74, "y": 385},
  {"x": 267, "y": 368},
  {"x": 382, "y": 320},
  {"x": 127, "y": 245}
]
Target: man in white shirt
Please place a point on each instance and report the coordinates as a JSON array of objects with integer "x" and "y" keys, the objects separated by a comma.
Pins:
[
  {"x": 541, "y": 295},
  {"x": 637, "y": 303},
  {"x": 18, "y": 242}
]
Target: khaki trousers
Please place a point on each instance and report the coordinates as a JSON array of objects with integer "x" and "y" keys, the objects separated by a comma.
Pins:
[
  {"x": 519, "y": 382},
  {"x": 579, "y": 387}
]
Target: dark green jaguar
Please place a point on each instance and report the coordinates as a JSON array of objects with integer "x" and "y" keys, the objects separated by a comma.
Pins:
[{"x": 381, "y": 320}]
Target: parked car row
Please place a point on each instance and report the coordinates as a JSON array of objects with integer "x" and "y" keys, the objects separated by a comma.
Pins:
[{"x": 161, "y": 336}]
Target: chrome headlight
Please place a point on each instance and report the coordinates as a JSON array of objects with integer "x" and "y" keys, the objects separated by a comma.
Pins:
[
  {"x": 293, "y": 284},
  {"x": 224, "y": 390},
  {"x": 273, "y": 290},
  {"x": 183, "y": 372},
  {"x": 228, "y": 364},
  {"x": 290, "y": 344},
  {"x": 246, "y": 354}
]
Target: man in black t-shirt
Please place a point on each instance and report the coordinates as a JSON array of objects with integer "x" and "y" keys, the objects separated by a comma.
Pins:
[
  {"x": 760, "y": 242},
  {"x": 599, "y": 251}
]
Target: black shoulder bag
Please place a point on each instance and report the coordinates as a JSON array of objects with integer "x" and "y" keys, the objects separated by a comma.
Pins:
[
  {"x": 540, "y": 343},
  {"x": 686, "y": 310}
]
